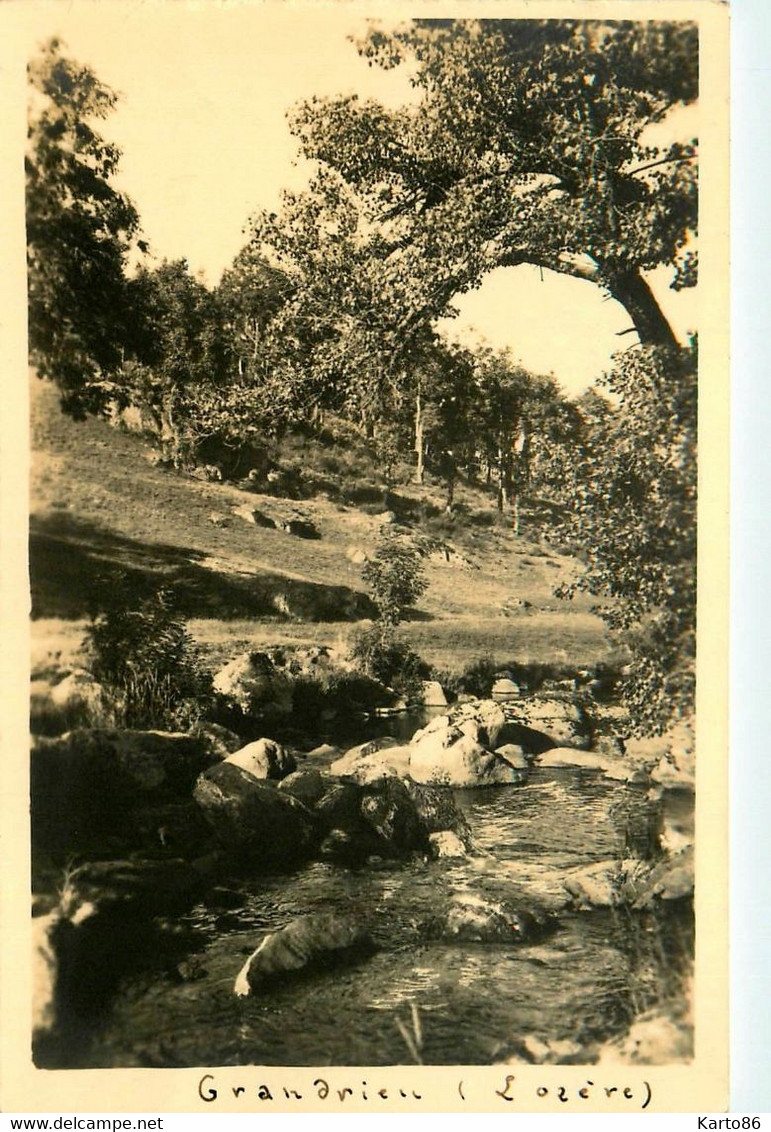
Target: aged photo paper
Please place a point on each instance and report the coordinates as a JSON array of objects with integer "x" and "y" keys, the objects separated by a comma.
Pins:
[{"x": 356, "y": 544}]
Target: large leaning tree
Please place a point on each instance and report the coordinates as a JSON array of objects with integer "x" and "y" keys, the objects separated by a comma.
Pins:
[
  {"x": 80, "y": 230},
  {"x": 526, "y": 144},
  {"x": 529, "y": 142}
]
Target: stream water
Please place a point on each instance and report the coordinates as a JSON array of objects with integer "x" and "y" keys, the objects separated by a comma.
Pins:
[{"x": 582, "y": 981}]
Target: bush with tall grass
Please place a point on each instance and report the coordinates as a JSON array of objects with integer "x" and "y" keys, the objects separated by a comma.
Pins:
[{"x": 143, "y": 654}]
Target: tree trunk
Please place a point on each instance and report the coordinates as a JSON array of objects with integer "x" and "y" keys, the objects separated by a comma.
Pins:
[
  {"x": 630, "y": 289},
  {"x": 450, "y": 487},
  {"x": 502, "y": 480},
  {"x": 515, "y": 520},
  {"x": 419, "y": 452}
]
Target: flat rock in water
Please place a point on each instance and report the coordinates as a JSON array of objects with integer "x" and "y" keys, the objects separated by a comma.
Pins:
[
  {"x": 474, "y": 918},
  {"x": 319, "y": 941},
  {"x": 559, "y": 757},
  {"x": 514, "y": 754},
  {"x": 606, "y": 884}
]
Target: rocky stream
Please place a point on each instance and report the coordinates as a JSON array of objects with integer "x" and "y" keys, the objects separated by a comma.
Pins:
[{"x": 491, "y": 881}]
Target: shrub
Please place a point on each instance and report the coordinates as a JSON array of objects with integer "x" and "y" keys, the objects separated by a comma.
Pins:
[
  {"x": 333, "y": 692},
  {"x": 477, "y": 678},
  {"x": 395, "y": 576},
  {"x": 383, "y": 656},
  {"x": 146, "y": 656}
]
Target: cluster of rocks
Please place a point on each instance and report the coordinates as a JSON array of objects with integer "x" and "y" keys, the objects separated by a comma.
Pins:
[
  {"x": 291, "y": 523},
  {"x": 183, "y": 810}
]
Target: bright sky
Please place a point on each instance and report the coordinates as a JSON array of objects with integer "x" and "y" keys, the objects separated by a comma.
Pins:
[{"x": 205, "y": 143}]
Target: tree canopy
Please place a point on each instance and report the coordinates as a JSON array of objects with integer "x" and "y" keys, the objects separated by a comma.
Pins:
[
  {"x": 527, "y": 144},
  {"x": 79, "y": 233}
]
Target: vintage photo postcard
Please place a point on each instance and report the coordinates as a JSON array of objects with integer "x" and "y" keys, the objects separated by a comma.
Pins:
[{"x": 368, "y": 433}]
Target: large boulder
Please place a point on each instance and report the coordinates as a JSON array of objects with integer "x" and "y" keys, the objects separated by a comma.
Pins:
[
  {"x": 388, "y": 809},
  {"x": 539, "y": 722},
  {"x": 221, "y": 741},
  {"x": 439, "y": 811},
  {"x": 254, "y": 684},
  {"x": 307, "y": 785},
  {"x": 265, "y": 758},
  {"x": 372, "y": 754},
  {"x": 453, "y": 758},
  {"x": 484, "y": 720},
  {"x": 253, "y": 817},
  {"x": 319, "y": 941},
  {"x": 432, "y": 694},
  {"x": 80, "y": 690},
  {"x": 380, "y": 818},
  {"x": 338, "y": 808},
  {"x": 390, "y": 762}
]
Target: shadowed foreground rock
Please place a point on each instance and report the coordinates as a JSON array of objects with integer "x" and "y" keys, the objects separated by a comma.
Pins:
[
  {"x": 254, "y": 817},
  {"x": 320, "y": 941},
  {"x": 93, "y": 784}
]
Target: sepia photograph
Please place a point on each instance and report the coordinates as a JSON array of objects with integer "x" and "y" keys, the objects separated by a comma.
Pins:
[{"x": 367, "y": 433}]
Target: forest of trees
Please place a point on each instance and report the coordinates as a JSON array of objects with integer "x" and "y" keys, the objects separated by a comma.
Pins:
[{"x": 527, "y": 144}]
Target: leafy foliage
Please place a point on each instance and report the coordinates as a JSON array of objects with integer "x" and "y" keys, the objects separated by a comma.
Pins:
[
  {"x": 395, "y": 576},
  {"x": 527, "y": 144},
  {"x": 145, "y": 654},
  {"x": 382, "y": 655},
  {"x": 634, "y": 514},
  {"x": 79, "y": 233}
]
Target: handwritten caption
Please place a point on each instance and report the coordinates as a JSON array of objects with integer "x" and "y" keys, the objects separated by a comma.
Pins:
[{"x": 510, "y": 1091}]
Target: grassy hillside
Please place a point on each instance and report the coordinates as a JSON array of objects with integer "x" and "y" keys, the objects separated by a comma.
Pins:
[{"x": 106, "y": 519}]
